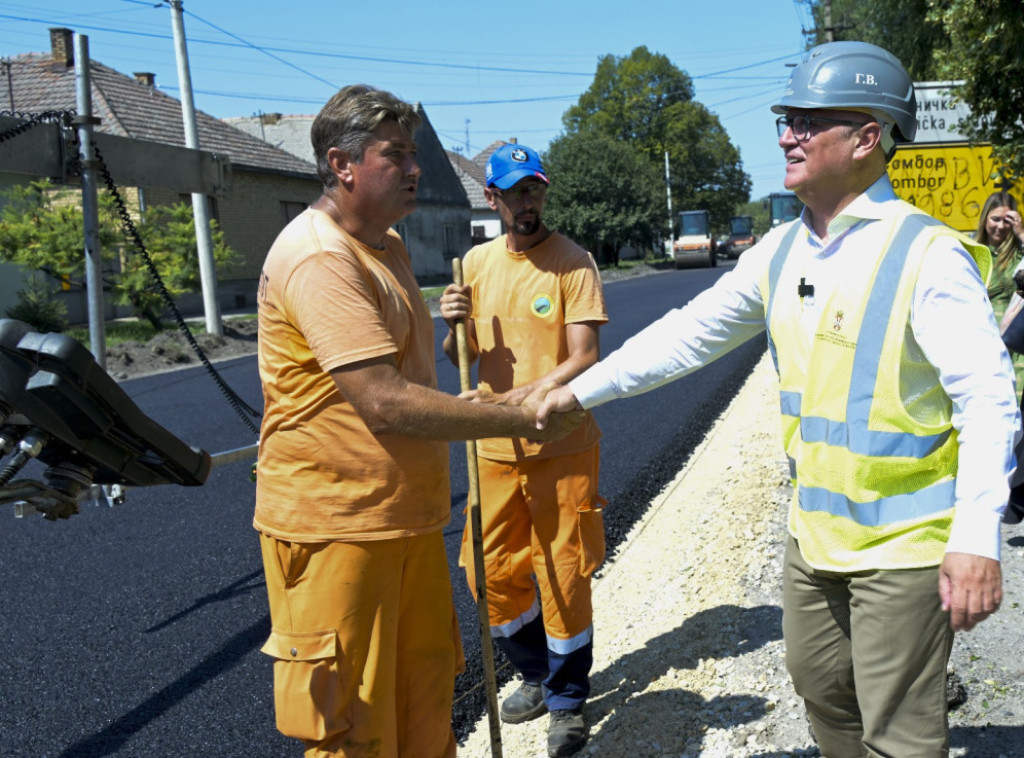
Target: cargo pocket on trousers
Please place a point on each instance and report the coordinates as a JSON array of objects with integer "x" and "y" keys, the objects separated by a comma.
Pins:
[
  {"x": 591, "y": 533},
  {"x": 309, "y": 694}
]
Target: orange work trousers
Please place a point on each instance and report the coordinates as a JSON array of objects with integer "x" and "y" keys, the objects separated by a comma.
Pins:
[
  {"x": 366, "y": 646},
  {"x": 541, "y": 518}
]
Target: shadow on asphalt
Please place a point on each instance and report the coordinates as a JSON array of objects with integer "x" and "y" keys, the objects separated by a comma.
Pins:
[
  {"x": 113, "y": 737},
  {"x": 988, "y": 741},
  {"x": 243, "y": 586}
]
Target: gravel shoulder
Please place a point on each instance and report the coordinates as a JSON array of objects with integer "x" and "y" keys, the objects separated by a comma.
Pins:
[{"x": 689, "y": 659}]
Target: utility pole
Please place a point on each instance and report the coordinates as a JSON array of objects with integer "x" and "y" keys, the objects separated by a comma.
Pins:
[
  {"x": 668, "y": 192},
  {"x": 828, "y": 28},
  {"x": 200, "y": 205},
  {"x": 90, "y": 204}
]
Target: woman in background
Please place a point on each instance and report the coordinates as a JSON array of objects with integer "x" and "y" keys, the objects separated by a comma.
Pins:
[{"x": 1001, "y": 229}]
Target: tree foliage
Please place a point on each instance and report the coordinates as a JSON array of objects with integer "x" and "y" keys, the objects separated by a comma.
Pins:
[
  {"x": 42, "y": 229},
  {"x": 759, "y": 211},
  {"x": 645, "y": 101},
  {"x": 902, "y": 27},
  {"x": 976, "y": 42},
  {"x": 37, "y": 306},
  {"x": 986, "y": 39},
  {"x": 604, "y": 194}
]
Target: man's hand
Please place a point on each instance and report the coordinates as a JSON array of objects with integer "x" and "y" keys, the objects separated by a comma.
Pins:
[
  {"x": 455, "y": 304},
  {"x": 558, "y": 400},
  {"x": 557, "y": 423},
  {"x": 483, "y": 396},
  {"x": 970, "y": 588}
]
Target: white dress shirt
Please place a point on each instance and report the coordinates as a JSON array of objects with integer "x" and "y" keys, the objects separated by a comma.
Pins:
[{"x": 951, "y": 321}]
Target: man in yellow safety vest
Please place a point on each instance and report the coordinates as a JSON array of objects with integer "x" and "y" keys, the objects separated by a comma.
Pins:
[{"x": 898, "y": 410}]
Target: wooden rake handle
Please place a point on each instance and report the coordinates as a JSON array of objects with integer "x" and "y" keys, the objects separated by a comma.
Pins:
[{"x": 477, "y": 541}]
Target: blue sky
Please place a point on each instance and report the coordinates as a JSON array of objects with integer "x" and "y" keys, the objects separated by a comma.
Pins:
[{"x": 483, "y": 71}]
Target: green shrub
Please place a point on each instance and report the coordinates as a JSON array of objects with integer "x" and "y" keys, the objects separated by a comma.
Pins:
[{"x": 37, "y": 307}]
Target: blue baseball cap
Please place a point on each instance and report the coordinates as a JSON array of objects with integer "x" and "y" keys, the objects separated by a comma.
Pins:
[{"x": 510, "y": 163}]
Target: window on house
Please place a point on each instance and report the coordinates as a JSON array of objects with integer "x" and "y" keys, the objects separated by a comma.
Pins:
[
  {"x": 211, "y": 205},
  {"x": 479, "y": 230},
  {"x": 449, "y": 241},
  {"x": 290, "y": 209}
]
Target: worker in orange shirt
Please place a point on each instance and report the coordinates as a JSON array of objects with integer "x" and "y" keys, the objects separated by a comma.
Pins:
[
  {"x": 352, "y": 493},
  {"x": 535, "y": 305}
]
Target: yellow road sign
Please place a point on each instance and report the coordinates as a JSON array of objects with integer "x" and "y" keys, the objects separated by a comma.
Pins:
[{"x": 949, "y": 182}]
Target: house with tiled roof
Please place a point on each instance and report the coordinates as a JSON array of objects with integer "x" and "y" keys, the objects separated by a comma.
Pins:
[
  {"x": 267, "y": 186},
  {"x": 485, "y": 222},
  {"x": 437, "y": 231},
  {"x": 481, "y": 158},
  {"x": 288, "y": 132}
]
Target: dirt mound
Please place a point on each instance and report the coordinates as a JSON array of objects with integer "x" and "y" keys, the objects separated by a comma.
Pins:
[{"x": 172, "y": 350}]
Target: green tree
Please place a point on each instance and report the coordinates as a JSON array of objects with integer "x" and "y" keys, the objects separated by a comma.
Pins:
[
  {"x": 902, "y": 27},
  {"x": 985, "y": 42},
  {"x": 644, "y": 100},
  {"x": 759, "y": 211},
  {"x": 41, "y": 228},
  {"x": 604, "y": 194},
  {"x": 37, "y": 306}
]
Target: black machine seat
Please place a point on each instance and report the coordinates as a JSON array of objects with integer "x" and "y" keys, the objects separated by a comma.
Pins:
[{"x": 52, "y": 384}]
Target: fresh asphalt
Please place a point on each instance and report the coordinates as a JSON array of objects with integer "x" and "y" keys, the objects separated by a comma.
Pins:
[{"x": 135, "y": 630}]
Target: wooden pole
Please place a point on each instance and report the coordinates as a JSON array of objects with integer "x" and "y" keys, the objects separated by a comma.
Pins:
[{"x": 477, "y": 541}]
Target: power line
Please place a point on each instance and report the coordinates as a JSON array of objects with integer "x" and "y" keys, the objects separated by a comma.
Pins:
[
  {"x": 319, "y": 100},
  {"x": 316, "y": 54},
  {"x": 743, "y": 68},
  {"x": 277, "y": 58},
  {"x": 271, "y": 52}
]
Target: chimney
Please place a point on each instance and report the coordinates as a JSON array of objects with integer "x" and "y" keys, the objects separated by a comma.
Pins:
[
  {"x": 62, "y": 47},
  {"x": 513, "y": 140},
  {"x": 145, "y": 77}
]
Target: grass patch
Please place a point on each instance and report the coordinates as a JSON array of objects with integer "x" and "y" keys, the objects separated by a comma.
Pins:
[
  {"x": 118, "y": 331},
  {"x": 133, "y": 330},
  {"x": 626, "y": 264},
  {"x": 631, "y": 263},
  {"x": 429, "y": 292}
]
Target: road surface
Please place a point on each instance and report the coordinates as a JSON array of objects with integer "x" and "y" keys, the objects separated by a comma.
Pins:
[{"x": 136, "y": 630}]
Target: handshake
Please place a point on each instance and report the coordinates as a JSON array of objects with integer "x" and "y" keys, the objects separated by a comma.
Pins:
[{"x": 549, "y": 411}]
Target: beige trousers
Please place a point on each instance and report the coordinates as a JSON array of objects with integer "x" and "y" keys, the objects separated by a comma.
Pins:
[{"x": 867, "y": 652}]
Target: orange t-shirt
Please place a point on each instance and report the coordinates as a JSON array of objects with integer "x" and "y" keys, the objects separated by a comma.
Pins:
[
  {"x": 521, "y": 304},
  {"x": 327, "y": 300}
]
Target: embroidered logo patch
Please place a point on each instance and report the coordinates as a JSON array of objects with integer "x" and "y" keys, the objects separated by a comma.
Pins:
[
  {"x": 838, "y": 323},
  {"x": 518, "y": 155},
  {"x": 542, "y": 305}
]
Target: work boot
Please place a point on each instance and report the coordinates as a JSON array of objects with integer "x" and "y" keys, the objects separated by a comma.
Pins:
[
  {"x": 524, "y": 704},
  {"x": 566, "y": 733}
]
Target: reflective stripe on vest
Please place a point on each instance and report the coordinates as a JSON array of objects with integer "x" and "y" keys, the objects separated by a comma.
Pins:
[
  {"x": 859, "y": 439},
  {"x": 887, "y": 510}
]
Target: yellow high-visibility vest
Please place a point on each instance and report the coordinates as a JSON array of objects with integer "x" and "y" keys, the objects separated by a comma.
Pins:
[{"x": 866, "y": 424}]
